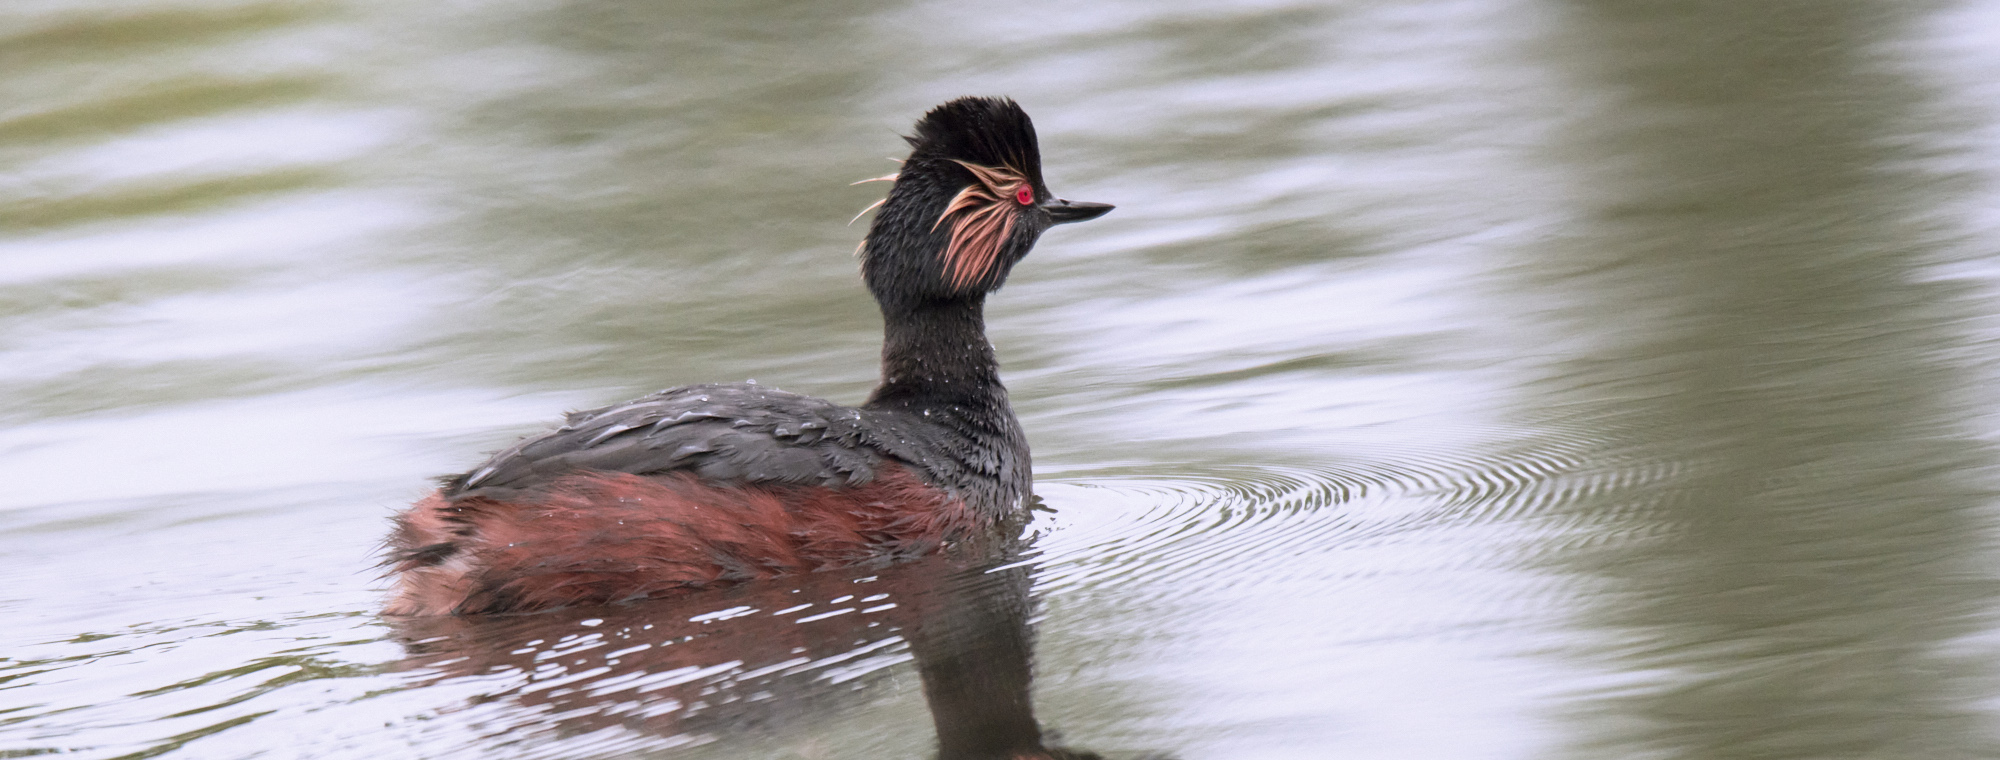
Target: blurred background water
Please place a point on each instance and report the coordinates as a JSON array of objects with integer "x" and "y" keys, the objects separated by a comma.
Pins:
[{"x": 1456, "y": 379}]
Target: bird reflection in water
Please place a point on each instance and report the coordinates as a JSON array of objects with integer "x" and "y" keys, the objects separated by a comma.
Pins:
[{"x": 763, "y": 657}]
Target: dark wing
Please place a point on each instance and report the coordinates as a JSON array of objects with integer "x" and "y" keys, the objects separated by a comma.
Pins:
[{"x": 721, "y": 433}]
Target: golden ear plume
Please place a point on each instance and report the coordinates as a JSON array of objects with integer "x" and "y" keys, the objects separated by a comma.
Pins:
[{"x": 982, "y": 217}]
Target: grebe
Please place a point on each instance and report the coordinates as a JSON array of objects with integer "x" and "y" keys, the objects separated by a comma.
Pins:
[{"x": 705, "y": 485}]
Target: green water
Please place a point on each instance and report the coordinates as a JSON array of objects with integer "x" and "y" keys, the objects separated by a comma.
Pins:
[{"x": 1456, "y": 378}]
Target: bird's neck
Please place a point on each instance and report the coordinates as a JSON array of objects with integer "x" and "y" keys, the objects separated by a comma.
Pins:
[
  {"x": 942, "y": 400},
  {"x": 935, "y": 358}
]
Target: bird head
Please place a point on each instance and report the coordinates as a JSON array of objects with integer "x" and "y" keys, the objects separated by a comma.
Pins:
[{"x": 967, "y": 205}]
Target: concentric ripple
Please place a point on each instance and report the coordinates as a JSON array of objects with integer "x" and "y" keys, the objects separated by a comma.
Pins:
[{"x": 1233, "y": 524}]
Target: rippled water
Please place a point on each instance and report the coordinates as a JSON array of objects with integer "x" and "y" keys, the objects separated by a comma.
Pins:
[{"x": 1457, "y": 378}]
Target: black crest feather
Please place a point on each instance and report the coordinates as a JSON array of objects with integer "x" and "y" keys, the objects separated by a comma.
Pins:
[{"x": 985, "y": 131}]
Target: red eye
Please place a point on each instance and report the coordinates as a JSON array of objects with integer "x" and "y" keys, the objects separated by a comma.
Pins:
[{"x": 1026, "y": 195}]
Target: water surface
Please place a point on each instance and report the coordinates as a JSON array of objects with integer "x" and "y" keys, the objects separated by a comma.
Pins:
[{"x": 1456, "y": 378}]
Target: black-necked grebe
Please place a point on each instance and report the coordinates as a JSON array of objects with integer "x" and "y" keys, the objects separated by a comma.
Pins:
[{"x": 710, "y": 484}]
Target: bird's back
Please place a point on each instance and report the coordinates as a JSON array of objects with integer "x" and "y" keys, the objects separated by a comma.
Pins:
[{"x": 686, "y": 488}]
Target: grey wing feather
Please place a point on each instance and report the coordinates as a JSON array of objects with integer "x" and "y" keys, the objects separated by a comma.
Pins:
[{"x": 721, "y": 433}]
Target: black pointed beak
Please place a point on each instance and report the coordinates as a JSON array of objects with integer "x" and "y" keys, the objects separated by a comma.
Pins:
[{"x": 1063, "y": 211}]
